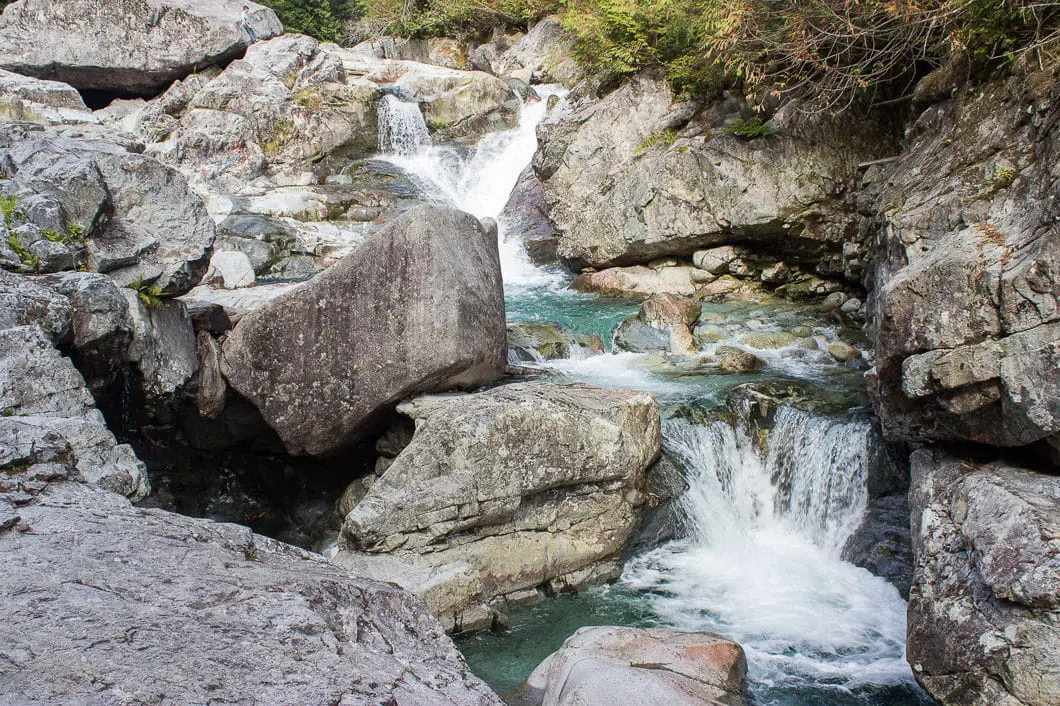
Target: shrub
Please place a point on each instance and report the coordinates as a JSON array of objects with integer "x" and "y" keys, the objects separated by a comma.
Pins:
[
  {"x": 8, "y": 209},
  {"x": 25, "y": 256},
  {"x": 663, "y": 137}
]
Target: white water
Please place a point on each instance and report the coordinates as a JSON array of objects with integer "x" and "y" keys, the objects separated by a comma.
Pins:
[
  {"x": 401, "y": 127},
  {"x": 478, "y": 181},
  {"x": 761, "y": 563}
]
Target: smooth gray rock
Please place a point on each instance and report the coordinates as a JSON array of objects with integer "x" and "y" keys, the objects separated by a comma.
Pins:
[
  {"x": 651, "y": 666},
  {"x": 545, "y": 54},
  {"x": 47, "y": 413},
  {"x": 25, "y": 301},
  {"x": 534, "y": 341},
  {"x": 418, "y": 308},
  {"x": 108, "y": 603},
  {"x": 501, "y": 492},
  {"x": 966, "y": 308},
  {"x": 126, "y": 46},
  {"x": 138, "y": 218},
  {"x": 985, "y": 602}
]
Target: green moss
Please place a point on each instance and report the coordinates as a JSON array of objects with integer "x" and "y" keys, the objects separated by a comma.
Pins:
[
  {"x": 663, "y": 137},
  {"x": 751, "y": 128},
  {"x": 283, "y": 131},
  {"x": 8, "y": 209}
]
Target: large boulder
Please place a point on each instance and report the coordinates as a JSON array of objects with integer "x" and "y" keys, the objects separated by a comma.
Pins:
[
  {"x": 417, "y": 308},
  {"x": 174, "y": 610},
  {"x": 967, "y": 303},
  {"x": 525, "y": 218},
  {"x": 985, "y": 602},
  {"x": 48, "y": 414},
  {"x": 636, "y": 176},
  {"x": 654, "y": 667},
  {"x": 499, "y": 493},
  {"x": 117, "y": 213},
  {"x": 162, "y": 353},
  {"x": 28, "y": 302},
  {"x": 125, "y": 46}
]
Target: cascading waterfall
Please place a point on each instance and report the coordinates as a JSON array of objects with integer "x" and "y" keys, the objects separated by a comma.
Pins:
[
  {"x": 761, "y": 562},
  {"x": 402, "y": 129},
  {"x": 480, "y": 180}
]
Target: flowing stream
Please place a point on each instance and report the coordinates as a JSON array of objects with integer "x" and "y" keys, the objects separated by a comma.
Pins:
[{"x": 767, "y": 510}]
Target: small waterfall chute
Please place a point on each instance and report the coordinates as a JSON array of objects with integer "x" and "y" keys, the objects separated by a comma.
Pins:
[{"x": 402, "y": 129}]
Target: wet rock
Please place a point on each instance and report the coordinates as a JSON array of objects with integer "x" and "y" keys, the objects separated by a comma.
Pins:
[
  {"x": 47, "y": 414},
  {"x": 734, "y": 360},
  {"x": 320, "y": 362},
  {"x": 663, "y": 324},
  {"x": 187, "y": 610},
  {"x": 162, "y": 353},
  {"x": 102, "y": 324},
  {"x": 536, "y": 340},
  {"x": 986, "y": 591},
  {"x": 212, "y": 389},
  {"x": 525, "y": 218},
  {"x": 640, "y": 665},
  {"x": 765, "y": 340},
  {"x": 525, "y": 485},
  {"x": 882, "y": 544},
  {"x": 125, "y": 46},
  {"x": 843, "y": 352}
]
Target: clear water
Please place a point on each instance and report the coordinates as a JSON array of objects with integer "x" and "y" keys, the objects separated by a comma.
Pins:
[{"x": 759, "y": 561}]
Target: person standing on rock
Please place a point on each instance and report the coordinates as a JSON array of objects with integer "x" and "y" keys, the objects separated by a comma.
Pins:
[{"x": 245, "y": 18}]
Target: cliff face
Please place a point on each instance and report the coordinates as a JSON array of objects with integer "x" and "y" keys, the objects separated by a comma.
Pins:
[
  {"x": 967, "y": 330},
  {"x": 968, "y": 270}
]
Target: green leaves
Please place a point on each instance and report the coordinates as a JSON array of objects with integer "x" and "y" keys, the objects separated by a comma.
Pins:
[{"x": 321, "y": 19}]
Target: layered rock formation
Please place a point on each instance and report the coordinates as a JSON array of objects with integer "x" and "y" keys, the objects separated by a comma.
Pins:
[
  {"x": 636, "y": 176},
  {"x": 125, "y": 46},
  {"x": 985, "y": 604},
  {"x": 502, "y": 492},
  {"x": 418, "y": 308},
  {"x": 967, "y": 306},
  {"x": 966, "y": 316},
  {"x": 656, "y": 666}
]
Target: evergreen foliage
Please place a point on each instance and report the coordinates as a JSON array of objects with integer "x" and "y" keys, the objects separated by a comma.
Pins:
[{"x": 321, "y": 19}]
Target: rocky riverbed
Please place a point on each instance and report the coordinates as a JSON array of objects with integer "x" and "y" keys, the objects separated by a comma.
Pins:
[{"x": 634, "y": 405}]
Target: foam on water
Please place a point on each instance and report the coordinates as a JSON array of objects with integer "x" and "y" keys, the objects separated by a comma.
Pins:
[{"x": 761, "y": 563}]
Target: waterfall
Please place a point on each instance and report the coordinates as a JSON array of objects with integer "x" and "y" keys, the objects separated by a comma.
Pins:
[
  {"x": 811, "y": 479},
  {"x": 402, "y": 129},
  {"x": 767, "y": 520},
  {"x": 480, "y": 180}
]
